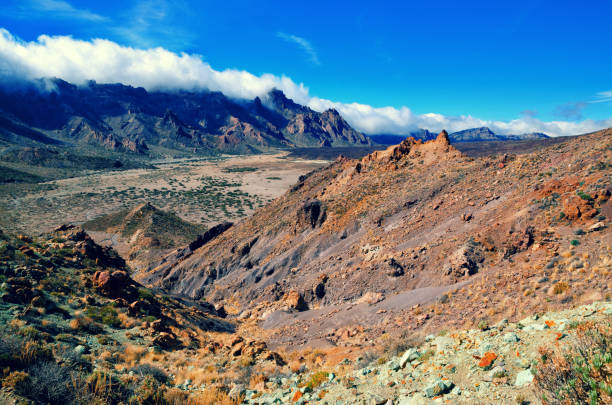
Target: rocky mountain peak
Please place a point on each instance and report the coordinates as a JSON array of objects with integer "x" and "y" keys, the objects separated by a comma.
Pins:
[
  {"x": 443, "y": 138},
  {"x": 410, "y": 147},
  {"x": 281, "y": 102}
]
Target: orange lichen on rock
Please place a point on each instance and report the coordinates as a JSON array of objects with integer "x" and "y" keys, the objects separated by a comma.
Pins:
[
  {"x": 487, "y": 360},
  {"x": 297, "y": 396}
]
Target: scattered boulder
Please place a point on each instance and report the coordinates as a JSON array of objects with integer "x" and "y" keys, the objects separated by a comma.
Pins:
[
  {"x": 598, "y": 226},
  {"x": 220, "y": 311},
  {"x": 166, "y": 341},
  {"x": 519, "y": 241},
  {"x": 511, "y": 337},
  {"x": 410, "y": 355},
  {"x": 523, "y": 378},
  {"x": 438, "y": 387},
  {"x": 18, "y": 291},
  {"x": 295, "y": 300},
  {"x": 466, "y": 216},
  {"x": 371, "y": 298},
  {"x": 319, "y": 289},
  {"x": 465, "y": 261},
  {"x": 113, "y": 284},
  {"x": 395, "y": 268},
  {"x": 575, "y": 207}
]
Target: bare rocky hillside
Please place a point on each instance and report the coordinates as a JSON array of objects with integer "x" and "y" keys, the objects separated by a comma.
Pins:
[{"x": 368, "y": 243}]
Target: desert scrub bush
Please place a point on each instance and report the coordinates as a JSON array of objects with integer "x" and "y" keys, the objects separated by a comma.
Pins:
[
  {"x": 148, "y": 391},
  {"x": 15, "y": 352},
  {"x": 427, "y": 355},
  {"x": 106, "y": 315},
  {"x": 29, "y": 332},
  {"x": 50, "y": 383},
  {"x": 17, "y": 381},
  {"x": 582, "y": 373},
  {"x": 584, "y": 196},
  {"x": 145, "y": 369},
  {"x": 317, "y": 379},
  {"x": 145, "y": 294},
  {"x": 33, "y": 352},
  {"x": 483, "y": 325},
  {"x": 365, "y": 359},
  {"x": 560, "y": 287},
  {"x": 86, "y": 324},
  {"x": 212, "y": 396},
  {"x": 393, "y": 346}
]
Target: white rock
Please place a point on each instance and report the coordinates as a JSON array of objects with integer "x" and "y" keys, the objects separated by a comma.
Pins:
[{"x": 523, "y": 378}]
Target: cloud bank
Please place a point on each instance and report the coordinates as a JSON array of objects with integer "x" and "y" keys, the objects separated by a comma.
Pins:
[{"x": 104, "y": 61}]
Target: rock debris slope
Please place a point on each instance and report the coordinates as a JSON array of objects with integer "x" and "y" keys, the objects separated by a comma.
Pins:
[{"x": 418, "y": 236}]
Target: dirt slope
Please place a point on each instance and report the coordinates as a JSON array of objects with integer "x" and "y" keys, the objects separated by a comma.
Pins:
[{"x": 505, "y": 235}]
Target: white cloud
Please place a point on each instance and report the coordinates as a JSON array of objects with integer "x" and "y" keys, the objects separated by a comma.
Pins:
[
  {"x": 402, "y": 121},
  {"x": 62, "y": 8},
  {"x": 105, "y": 61},
  {"x": 302, "y": 43},
  {"x": 603, "y": 96}
]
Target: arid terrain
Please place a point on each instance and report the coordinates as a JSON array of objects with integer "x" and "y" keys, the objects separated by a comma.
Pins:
[
  {"x": 305, "y": 203},
  {"x": 200, "y": 190},
  {"x": 416, "y": 274}
]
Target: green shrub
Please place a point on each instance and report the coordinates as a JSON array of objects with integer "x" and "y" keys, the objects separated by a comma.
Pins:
[
  {"x": 483, "y": 324},
  {"x": 574, "y": 242},
  {"x": 584, "y": 195},
  {"x": 581, "y": 374},
  {"x": 145, "y": 294},
  {"x": 106, "y": 315},
  {"x": 317, "y": 379}
]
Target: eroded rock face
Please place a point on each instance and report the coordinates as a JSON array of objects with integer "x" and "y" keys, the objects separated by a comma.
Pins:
[
  {"x": 406, "y": 205},
  {"x": 209, "y": 235},
  {"x": 199, "y": 120},
  {"x": 520, "y": 241},
  {"x": 465, "y": 261},
  {"x": 312, "y": 214},
  {"x": 576, "y": 207}
]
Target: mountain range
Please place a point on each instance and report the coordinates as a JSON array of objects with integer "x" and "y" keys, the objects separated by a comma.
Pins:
[
  {"x": 466, "y": 135},
  {"x": 125, "y": 118},
  {"x": 122, "y": 118}
]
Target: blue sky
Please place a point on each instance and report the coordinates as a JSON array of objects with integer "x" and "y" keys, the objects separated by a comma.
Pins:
[{"x": 497, "y": 61}]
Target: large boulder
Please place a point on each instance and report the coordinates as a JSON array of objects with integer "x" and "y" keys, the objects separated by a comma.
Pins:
[
  {"x": 166, "y": 341},
  {"x": 295, "y": 300},
  {"x": 116, "y": 284}
]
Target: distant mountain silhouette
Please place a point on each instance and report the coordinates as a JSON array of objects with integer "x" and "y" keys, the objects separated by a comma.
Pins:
[
  {"x": 125, "y": 118},
  {"x": 467, "y": 135}
]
